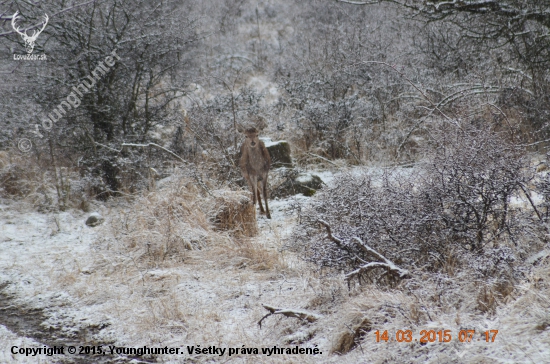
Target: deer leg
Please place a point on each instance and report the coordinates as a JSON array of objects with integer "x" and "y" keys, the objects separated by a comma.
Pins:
[
  {"x": 260, "y": 200},
  {"x": 264, "y": 187},
  {"x": 252, "y": 183}
]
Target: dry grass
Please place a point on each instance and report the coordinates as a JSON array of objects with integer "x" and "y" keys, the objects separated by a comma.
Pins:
[
  {"x": 351, "y": 334},
  {"x": 162, "y": 225},
  {"x": 252, "y": 254},
  {"x": 236, "y": 213},
  {"x": 21, "y": 177}
]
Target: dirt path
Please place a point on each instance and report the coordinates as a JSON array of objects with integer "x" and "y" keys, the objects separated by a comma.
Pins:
[{"x": 28, "y": 322}]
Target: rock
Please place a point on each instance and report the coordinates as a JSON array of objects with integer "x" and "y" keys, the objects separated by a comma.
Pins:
[
  {"x": 279, "y": 152},
  {"x": 305, "y": 183},
  {"x": 94, "y": 219}
]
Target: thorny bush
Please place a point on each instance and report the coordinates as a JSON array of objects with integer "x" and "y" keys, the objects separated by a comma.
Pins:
[{"x": 454, "y": 206}]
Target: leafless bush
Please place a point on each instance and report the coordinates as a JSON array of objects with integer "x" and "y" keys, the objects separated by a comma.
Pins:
[
  {"x": 471, "y": 174},
  {"x": 211, "y": 137},
  {"x": 28, "y": 178},
  {"x": 453, "y": 206}
]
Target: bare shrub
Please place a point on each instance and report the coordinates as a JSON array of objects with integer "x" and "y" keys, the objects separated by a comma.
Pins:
[
  {"x": 23, "y": 177},
  {"x": 451, "y": 210},
  {"x": 470, "y": 174},
  {"x": 15, "y": 180}
]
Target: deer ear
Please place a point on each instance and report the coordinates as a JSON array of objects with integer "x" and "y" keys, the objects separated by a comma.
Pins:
[{"x": 240, "y": 128}]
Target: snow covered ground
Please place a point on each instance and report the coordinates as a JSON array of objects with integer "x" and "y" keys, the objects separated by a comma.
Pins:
[
  {"x": 87, "y": 294},
  {"x": 63, "y": 283}
]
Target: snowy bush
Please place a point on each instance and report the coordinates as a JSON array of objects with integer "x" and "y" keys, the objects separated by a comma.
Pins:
[{"x": 453, "y": 206}]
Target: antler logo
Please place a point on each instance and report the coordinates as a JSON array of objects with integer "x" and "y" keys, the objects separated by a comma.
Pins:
[{"x": 29, "y": 40}]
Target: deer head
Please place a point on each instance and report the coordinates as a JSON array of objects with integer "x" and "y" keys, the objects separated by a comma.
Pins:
[
  {"x": 251, "y": 134},
  {"x": 29, "y": 40}
]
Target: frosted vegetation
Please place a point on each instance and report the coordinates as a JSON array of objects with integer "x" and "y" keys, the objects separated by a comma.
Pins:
[{"x": 417, "y": 196}]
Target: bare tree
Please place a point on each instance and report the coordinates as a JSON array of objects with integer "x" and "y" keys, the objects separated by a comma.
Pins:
[
  {"x": 500, "y": 43},
  {"x": 155, "y": 45}
]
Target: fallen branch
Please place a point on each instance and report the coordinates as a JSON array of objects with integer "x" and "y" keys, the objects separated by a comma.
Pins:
[
  {"x": 383, "y": 262},
  {"x": 302, "y": 315}
]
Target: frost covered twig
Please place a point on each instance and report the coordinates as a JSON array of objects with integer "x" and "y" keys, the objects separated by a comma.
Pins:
[
  {"x": 386, "y": 263},
  {"x": 322, "y": 158},
  {"x": 383, "y": 262},
  {"x": 302, "y": 315},
  {"x": 329, "y": 233}
]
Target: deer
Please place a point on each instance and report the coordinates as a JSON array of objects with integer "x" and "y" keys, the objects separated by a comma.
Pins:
[
  {"x": 255, "y": 164},
  {"x": 29, "y": 39}
]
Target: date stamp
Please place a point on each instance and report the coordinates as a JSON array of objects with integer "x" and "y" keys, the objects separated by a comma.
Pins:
[{"x": 430, "y": 336}]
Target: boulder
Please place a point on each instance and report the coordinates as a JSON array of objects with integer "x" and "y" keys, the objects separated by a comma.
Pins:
[
  {"x": 94, "y": 219},
  {"x": 279, "y": 152},
  {"x": 295, "y": 182}
]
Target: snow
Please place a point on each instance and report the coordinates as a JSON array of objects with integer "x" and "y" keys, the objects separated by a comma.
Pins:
[
  {"x": 304, "y": 178},
  {"x": 8, "y": 340},
  {"x": 269, "y": 143},
  {"x": 72, "y": 273},
  {"x": 82, "y": 280}
]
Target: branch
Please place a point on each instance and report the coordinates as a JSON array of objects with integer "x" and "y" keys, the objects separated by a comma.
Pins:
[
  {"x": 386, "y": 263},
  {"x": 531, "y": 201},
  {"x": 142, "y": 146},
  {"x": 322, "y": 158},
  {"x": 413, "y": 85},
  {"x": 197, "y": 178},
  {"x": 302, "y": 315},
  {"x": 383, "y": 262},
  {"x": 359, "y": 2},
  {"x": 329, "y": 233},
  {"x": 440, "y": 10},
  {"x": 156, "y": 146},
  {"x": 53, "y": 15}
]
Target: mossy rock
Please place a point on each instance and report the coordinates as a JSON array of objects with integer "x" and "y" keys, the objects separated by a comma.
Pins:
[
  {"x": 305, "y": 183},
  {"x": 279, "y": 152},
  {"x": 94, "y": 219}
]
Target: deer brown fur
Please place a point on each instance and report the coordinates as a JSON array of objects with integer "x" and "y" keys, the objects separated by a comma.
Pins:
[{"x": 255, "y": 164}]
